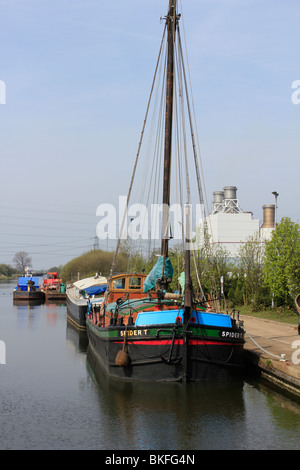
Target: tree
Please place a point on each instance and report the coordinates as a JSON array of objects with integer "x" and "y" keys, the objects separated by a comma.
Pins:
[
  {"x": 22, "y": 260},
  {"x": 6, "y": 270},
  {"x": 250, "y": 271},
  {"x": 282, "y": 262},
  {"x": 213, "y": 263},
  {"x": 90, "y": 263}
]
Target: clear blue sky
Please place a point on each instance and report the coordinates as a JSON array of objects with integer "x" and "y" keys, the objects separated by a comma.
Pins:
[{"x": 78, "y": 75}]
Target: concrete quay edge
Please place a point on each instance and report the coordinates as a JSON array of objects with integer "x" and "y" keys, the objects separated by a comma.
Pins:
[{"x": 271, "y": 349}]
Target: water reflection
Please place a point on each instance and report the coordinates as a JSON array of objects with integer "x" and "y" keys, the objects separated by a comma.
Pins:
[
  {"x": 26, "y": 303},
  {"x": 173, "y": 416},
  {"x": 55, "y": 395},
  {"x": 77, "y": 338},
  {"x": 27, "y": 313},
  {"x": 284, "y": 409}
]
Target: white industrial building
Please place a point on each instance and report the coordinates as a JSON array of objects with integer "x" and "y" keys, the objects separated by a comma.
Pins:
[{"x": 230, "y": 227}]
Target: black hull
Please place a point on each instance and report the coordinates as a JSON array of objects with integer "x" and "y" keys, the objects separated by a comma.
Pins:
[
  {"x": 76, "y": 313},
  {"x": 168, "y": 360},
  {"x": 37, "y": 296},
  {"x": 55, "y": 297}
]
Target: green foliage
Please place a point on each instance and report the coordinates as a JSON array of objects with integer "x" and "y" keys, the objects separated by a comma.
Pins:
[
  {"x": 236, "y": 293},
  {"x": 260, "y": 272},
  {"x": 134, "y": 261},
  {"x": 282, "y": 314},
  {"x": 211, "y": 262},
  {"x": 7, "y": 270},
  {"x": 55, "y": 269},
  {"x": 247, "y": 280},
  {"x": 89, "y": 263},
  {"x": 282, "y": 262}
]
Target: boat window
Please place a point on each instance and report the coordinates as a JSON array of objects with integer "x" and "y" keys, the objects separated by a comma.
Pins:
[
  {"x": 119, "y": 283},
  {"x": 135, "y": 282}
]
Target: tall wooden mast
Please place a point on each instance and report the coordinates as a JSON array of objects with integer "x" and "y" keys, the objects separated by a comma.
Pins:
[
  {"x": 171, "y": 27},
  {"x": 172, "y": 19}
]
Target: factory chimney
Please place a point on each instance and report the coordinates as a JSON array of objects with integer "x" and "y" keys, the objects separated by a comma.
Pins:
[{"x": 269, "y": 216}]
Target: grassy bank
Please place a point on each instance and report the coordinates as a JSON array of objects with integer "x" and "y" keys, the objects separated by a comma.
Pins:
[
  {"x": 90, "y": 263},
  {"x": 10, "y": 278},
  {"x": 276, "y": 314}
]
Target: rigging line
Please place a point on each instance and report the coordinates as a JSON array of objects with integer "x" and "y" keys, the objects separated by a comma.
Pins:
[
  {"x": 197, "y": 275},
  {"x": 179, "y": 177},
  {"x": 194, "y": 113},
  {"x": 154, "y": 149},
  {"x": 178, "y": 180},
  {"x": 183, "y": 135},
  {"x": 179, "y": 162},
  {"x": 156, "y": 146},
  {"x": 191, "y": 124},
  {"x": 206, "y": 240},
  {"x": 157, "y": 161},
  {"x": 137, "y": 158},
  {"x": 145, "y": 167},
  {"x": 195, "y": 155},
  {"x": 180, "y": 69}
]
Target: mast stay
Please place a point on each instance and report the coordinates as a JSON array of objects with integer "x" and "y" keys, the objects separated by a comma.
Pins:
[{"x": 171, "y": 31}]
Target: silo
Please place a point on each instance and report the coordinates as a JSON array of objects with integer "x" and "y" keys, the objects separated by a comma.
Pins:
[
  {"x": 230, "y": 200},
  {"x": 230, "y": 192},
  {"x": 269, "y": 216},
  {"x": 218, "y": 201},
  {"x": 218, "y": 196}
]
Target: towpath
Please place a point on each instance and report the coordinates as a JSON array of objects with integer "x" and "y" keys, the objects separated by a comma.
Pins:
[{"x": 274, "y": 348}]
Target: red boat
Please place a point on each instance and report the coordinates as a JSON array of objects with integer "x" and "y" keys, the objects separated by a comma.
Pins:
[{"x": 53, "y": 287}]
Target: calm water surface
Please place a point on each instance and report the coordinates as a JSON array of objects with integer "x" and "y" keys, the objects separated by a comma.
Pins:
[{"x": 52, "y": 396}]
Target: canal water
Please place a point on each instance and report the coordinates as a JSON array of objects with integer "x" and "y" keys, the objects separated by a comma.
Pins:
[{"x": 52, "y": 396}]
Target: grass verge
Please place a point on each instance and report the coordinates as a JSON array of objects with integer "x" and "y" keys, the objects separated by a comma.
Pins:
[{"x": 275, "y": 314}]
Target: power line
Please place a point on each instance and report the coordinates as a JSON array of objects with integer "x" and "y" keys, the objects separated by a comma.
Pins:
[
  {"x": 47, "y": 219},
  {"x": 47, "y": 244},
  {"x": 39, "y": 236}
]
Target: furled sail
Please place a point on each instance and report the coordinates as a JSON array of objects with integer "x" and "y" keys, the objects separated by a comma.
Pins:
[{"x": 156, "y": 273}]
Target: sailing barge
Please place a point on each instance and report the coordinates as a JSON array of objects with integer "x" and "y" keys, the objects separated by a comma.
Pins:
[
  {"x": 161, "y": 335},
  {"x": 156, "y": 338}
]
